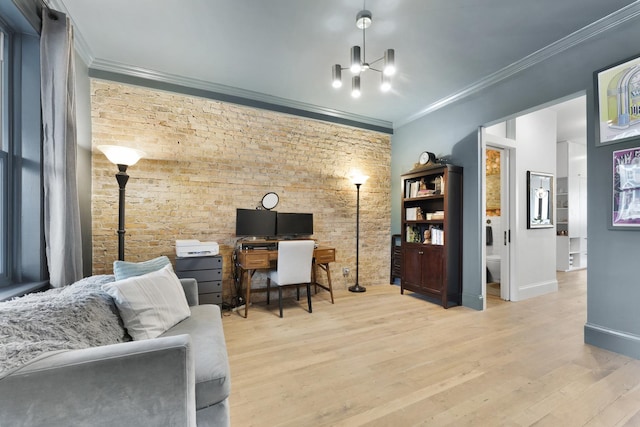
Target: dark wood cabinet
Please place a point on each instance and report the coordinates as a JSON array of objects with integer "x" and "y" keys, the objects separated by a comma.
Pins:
[{"x": 432, "y": 233}]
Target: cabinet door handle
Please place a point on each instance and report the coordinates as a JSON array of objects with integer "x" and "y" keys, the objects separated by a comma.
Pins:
[{"x": 420, "y": 253}]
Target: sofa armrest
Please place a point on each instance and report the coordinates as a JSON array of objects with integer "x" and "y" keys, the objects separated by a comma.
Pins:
[
  {"x": 190, "y": 290},
  {"x": 141, "y": 383}
]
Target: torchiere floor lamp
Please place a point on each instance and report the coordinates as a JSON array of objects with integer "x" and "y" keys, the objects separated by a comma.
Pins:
[
  {"x": 358, "y": 180},
  {"x": 123, "y": 157}
]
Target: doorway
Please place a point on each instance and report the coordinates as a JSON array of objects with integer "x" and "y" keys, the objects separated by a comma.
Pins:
[
  {"x": 540, "y": 131},
  {"x": 499, "y": 152}
]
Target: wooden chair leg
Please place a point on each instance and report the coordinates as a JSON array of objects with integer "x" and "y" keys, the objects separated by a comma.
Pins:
[
  {"x": 280, "y": 299},
  {"x": 268, "y": 289},
  {"x": 329, "y": 283},
  {"x": 309, "y": 296}
]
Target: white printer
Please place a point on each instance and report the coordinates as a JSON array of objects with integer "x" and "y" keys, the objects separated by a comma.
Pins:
[{"x": 192, "y": 248}]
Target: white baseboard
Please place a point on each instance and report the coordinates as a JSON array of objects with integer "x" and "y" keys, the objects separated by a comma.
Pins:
[{"x": 535, "y": 290}]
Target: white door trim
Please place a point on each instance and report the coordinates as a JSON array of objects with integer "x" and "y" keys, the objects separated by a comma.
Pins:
[{"x": 508, "y": 147}]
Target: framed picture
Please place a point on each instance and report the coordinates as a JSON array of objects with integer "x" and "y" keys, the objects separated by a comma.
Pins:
[
  {"x": 618, "y": 101},
  {"x": 539, "y": 200},
  {"x": 626, "y": 189}
]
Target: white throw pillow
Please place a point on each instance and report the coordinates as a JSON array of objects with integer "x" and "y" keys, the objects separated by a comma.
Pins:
[{"x": 150, "y": 304}]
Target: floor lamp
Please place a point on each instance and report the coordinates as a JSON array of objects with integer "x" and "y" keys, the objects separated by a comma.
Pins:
[
  {"x": 123, "y": 157},
  {"x": 358, "y": 180}
]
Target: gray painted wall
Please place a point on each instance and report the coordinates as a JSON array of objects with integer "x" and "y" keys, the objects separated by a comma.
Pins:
[{"x": 613, "y": 291}]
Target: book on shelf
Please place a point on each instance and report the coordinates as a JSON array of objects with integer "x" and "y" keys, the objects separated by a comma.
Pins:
[
  {"x": 437, "y": 236},
  {"x": 437, "y": 215},
  {"x": 424, "y": 192},
  {"x": 414, "y": 188},
  {"x": 412, "y": 214}
]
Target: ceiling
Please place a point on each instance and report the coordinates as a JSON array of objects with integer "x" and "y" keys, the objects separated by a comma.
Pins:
[{"x": 281, "y": 51}]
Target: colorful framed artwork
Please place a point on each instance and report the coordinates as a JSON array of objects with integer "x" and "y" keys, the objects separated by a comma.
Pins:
[
  {"x": 626, "y": 189},
  {"x": 618, "y": 101}
]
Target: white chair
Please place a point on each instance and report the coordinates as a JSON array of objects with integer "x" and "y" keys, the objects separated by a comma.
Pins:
[{"x": 295, "y": 258}]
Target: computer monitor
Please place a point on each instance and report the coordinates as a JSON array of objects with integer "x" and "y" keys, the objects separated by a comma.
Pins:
[
  {"x": 294, "y": 224},
  {"x": 255, "y": 222}
]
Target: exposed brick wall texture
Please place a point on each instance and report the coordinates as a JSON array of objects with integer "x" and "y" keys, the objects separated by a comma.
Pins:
[
  {"x": 493, "y": 182},
  {"x": 206, "y": 158}
]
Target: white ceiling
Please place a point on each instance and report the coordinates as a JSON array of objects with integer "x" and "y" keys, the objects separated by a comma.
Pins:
[
  {"x": 572, "y": 120},
  {"x": 281, "y": 51}
]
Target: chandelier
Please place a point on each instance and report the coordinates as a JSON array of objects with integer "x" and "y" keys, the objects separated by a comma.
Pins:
[{"x": 359, "y": 62}]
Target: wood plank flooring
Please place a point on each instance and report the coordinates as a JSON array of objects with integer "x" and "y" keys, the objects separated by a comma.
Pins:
[{"x": 385, "y": 359}]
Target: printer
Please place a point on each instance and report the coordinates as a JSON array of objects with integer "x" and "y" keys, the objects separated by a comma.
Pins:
[{"x": 193, "y": 248}]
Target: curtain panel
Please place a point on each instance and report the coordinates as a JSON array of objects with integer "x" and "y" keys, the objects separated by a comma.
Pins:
[{"x": 61, "y": 206}]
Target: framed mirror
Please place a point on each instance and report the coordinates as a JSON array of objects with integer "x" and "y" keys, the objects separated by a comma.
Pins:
[
  {"x": 270, "y": 200},
  {"x": 539, "y": 200}
]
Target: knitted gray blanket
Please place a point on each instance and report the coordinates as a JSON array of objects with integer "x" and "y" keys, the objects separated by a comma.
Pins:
[{"x": 77, "y": 316}]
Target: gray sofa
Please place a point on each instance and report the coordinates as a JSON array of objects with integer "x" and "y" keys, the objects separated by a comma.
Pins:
[{"x": 178, "y": 379}]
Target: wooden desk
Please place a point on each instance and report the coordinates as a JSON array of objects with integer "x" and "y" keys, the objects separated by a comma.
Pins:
[{"x": 250, "y": 260}]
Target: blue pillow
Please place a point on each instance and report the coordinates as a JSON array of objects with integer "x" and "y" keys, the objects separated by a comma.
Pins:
[{"x": 124, "y": 270}]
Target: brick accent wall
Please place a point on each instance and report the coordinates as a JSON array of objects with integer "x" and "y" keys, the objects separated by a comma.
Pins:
[
  {"x": 493, "y": 182},
  {"x": 206, "y": 158}
]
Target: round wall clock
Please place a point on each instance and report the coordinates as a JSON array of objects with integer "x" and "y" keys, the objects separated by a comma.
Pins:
[{"x": 270, "y": 200}]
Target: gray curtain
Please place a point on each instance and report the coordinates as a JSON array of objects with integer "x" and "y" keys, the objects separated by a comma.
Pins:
[{"x": 61, "y": 207}]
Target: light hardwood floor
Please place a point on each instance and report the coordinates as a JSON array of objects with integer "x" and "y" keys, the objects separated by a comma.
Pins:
[{"x": 384, "y": 359}]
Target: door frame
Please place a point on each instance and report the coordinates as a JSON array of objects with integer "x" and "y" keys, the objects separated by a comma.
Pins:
[{"x": 507, "y": 204}]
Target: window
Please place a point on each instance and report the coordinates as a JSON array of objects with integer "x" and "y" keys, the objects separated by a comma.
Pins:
[
  {"x": 22, "y": 261},
  {"x": 4, "y": 159}
]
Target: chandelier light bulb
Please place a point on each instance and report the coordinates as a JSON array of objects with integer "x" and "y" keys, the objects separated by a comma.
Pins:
[
  {"x": 389, "y": 62},
  {"x": 356, "y": 65},
  {"x": 336, "y": 72},
  {"x": 385, "y": 86},
  {"x": 355, "y": 88},
  {"x": 363, "y": 19},
  {"x": 389, "y": 70}
]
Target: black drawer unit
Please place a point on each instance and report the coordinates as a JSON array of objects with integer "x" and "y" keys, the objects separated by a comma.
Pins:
[{"x": 207, "y": 270}]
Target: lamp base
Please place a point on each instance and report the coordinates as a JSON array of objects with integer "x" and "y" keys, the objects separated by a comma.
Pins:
[{"x": 357, "y": 288}]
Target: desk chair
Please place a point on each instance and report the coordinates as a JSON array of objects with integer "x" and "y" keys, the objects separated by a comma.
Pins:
[{"x": 295, "y": 258}]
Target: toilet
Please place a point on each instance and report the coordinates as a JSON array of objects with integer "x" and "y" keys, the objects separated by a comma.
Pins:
[{"x": 493, "y": 265}]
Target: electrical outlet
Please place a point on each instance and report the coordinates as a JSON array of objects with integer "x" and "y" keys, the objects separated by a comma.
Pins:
[{"x": 345, "y": 271}]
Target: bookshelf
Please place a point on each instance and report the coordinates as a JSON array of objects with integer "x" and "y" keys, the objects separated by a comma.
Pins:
[
  {"x": 571, "y": 206},
  {"x": 431, "y": 212}
]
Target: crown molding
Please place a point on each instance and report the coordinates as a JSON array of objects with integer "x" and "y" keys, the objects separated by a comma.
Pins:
[
  {"x": 117, "y": 71},
  {"x": 114, "y": 70},
  {"x": 594, "y": 29},
  {"x": 79, "y": 42}
]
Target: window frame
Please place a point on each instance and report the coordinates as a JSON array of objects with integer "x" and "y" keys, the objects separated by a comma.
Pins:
[
  {"x": 6, "y": 238},
  {"x": 22, "y": 216}
]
